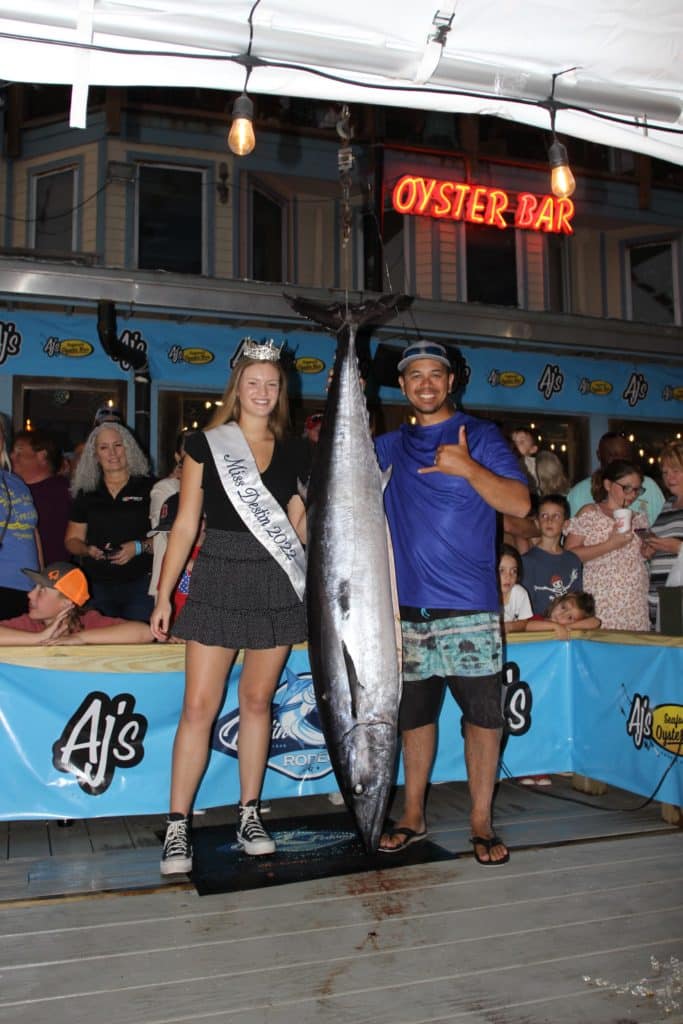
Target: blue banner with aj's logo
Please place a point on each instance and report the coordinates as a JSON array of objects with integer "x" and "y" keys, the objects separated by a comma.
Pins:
[
  {"x": 195, "y": 355},
  {"x": 80, "y": 743}
]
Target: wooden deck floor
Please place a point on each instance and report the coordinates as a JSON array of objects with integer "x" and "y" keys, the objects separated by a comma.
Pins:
[{"x": 587, "y": 892}]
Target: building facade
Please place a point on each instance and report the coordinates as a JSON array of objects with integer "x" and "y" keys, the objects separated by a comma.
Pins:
[{"x": 144, "y": 225}]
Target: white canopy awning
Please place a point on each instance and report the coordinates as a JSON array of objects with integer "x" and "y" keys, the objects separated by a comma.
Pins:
[{"x": 494, "y": 57}]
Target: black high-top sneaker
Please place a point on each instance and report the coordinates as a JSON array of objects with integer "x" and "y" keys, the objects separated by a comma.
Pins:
[
  {"x": 251, "y": 835},
  {"x": 177, "y": 856}
]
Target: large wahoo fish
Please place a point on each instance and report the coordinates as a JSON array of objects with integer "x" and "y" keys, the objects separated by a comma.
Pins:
[{"x": 352, "y": 629}]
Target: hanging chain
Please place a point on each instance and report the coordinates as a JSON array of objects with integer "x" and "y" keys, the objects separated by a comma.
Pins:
[{"x": 345, "y": 164}]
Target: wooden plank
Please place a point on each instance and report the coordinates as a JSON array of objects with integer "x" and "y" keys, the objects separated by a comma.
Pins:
[
  {"x": 420, "y": 905},
  {"x": 117, "y": 658},
  {"x": 644, "y": 856},
  {"x": 28, "y": 839},
  {"x": 108, "y": 834},
  {"x": 355, "y": 957},
  {"x": 71, "y": 837},
  {"x": 360, "y": 968}
]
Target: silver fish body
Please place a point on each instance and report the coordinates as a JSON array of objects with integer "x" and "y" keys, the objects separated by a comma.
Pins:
[{"x": 352, "y": 638}]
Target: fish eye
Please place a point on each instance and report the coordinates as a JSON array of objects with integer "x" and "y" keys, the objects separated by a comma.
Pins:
[{"x": 358, "y": 789}]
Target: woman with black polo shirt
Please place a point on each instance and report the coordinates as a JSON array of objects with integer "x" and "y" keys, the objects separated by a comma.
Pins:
[{"x": 110, "y": 520}]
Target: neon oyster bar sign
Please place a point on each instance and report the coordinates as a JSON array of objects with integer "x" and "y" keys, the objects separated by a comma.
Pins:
[{"x": 478, "y": 204}]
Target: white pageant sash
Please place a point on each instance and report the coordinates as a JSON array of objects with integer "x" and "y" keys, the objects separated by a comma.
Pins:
[{"x": 254, "y": 504}]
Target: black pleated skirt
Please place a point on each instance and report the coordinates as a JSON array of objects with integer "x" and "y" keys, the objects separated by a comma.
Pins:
[{"x": 239, "y": 597}]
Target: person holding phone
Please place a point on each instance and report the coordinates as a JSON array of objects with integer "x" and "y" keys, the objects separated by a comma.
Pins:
[{"x": 109, "y": 522}]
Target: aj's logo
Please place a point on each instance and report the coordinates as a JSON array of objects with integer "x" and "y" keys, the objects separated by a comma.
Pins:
[
  {"x": 192, "y": 356},
  {"x": 636, "y": 389},
  {"x": 663, "y": 725},
  {"x": 10, "y": 341},
  {"x": 297, "y": 745},
  {"x": 517, "y": 701},
  {"x": 73, "y": 348},
  {"x": 103, "y": 734},
  {"x": 133, "y": 341},
  {"x": 551, "y": 381}
]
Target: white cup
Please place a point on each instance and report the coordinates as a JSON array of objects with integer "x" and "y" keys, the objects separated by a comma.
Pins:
[{"x": 622, "y": 517}]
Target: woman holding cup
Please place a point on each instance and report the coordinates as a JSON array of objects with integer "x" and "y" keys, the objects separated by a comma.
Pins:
[{"x": 602, "y": 535}]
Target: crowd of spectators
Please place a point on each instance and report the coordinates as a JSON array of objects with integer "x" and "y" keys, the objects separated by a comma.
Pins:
[
  {"x": 610, "y": 543},
  {"x": 103, "y": 511}
]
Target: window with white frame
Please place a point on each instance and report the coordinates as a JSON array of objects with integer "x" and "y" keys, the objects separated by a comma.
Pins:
[
  {"x": 170, "y": 219},
  {"x": 54, "y": 219},
  {"x": 652, "y": 283}
]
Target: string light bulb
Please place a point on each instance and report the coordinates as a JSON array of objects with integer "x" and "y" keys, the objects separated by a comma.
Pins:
[
  {"x": 241, "y": 139},
  {"x": 562, "y": 181}
]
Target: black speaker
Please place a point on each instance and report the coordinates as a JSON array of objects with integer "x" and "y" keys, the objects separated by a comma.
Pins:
[{"x": 106, "y": 328}]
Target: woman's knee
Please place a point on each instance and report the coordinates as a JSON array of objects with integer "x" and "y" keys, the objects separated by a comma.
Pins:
[
  {"x": 199, "y": 711},
  {"x": 255, "y": 702}
]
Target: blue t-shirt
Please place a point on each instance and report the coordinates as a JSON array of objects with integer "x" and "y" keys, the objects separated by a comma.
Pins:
[
  {"x": 547, "y": 576},
  {"x": 18, "y": 520},
  {"x": 443, "y": 532}
]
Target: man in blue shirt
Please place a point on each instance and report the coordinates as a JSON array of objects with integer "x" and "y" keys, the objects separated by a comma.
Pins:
[{"x": 451, "y": 474}]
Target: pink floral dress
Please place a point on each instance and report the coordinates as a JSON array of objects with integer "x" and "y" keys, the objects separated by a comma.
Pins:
[{"x": 619, "y": 580}]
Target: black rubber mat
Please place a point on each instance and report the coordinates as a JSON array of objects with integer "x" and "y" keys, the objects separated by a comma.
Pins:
[{"x": 323, "y": 846}]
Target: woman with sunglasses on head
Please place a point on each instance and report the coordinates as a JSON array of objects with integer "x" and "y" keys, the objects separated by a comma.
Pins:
[{"x": 614, "y": 570}]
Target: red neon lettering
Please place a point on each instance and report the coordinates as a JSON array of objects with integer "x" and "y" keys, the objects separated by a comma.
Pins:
[
  {"x": 459, "y": 200},
  {"x": 564, "y": 211},
  {"x": 426, "y": 187},
  {"x": 526, "y": 207},
  {"x": 404, "y": 194},
  {"x": 477, "y": 205},
  {"x": 496, "y": 206},
  {"x": 481, "y": 205},
  {"x": 544, "y": 217},
  {"x": 444, "y": 195}
]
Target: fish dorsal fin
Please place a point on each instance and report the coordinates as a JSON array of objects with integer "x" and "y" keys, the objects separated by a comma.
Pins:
[
  {"x": 385, "y": 477},
  {"x": 354, "y": 682}
]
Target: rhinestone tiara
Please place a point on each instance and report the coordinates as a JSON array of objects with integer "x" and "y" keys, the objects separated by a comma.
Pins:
[{"x": 262, "y": 351}]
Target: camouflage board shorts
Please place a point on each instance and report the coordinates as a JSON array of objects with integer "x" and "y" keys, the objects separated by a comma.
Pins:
[{"x": 465, "y": 645}]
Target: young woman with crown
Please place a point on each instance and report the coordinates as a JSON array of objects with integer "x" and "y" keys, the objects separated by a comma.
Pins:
[{"x": 246, "y": 590}]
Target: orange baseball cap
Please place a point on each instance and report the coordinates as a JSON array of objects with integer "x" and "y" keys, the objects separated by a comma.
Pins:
[{"x": 64, "y": 577}]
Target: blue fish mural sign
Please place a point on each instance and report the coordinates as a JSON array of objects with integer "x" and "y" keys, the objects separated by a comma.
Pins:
[{"x": 297, "y": 746}]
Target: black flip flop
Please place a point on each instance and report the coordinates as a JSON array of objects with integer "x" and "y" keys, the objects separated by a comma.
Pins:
[
  {"x": 488, "y": 844},
  {"x": 408, "y": 837}
]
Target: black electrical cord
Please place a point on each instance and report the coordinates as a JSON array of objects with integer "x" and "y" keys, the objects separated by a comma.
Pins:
[
  {"x": 634, "y": 122},
  {"x": 543, "y": 791}
]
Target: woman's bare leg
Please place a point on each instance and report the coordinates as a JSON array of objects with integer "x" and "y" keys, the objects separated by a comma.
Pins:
[
  {"x": 260, "y": 674},
  {"x": 206, "y": 669}
]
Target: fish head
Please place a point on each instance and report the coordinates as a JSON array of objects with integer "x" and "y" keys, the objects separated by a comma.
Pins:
[{"x": 367, "y": 773}]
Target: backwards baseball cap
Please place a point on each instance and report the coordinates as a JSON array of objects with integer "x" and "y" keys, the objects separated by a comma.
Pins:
[
  {"x": 65, "y": 578},
  {"x": 424, "y": 350},
  {"x": 167, "y": 515}
]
